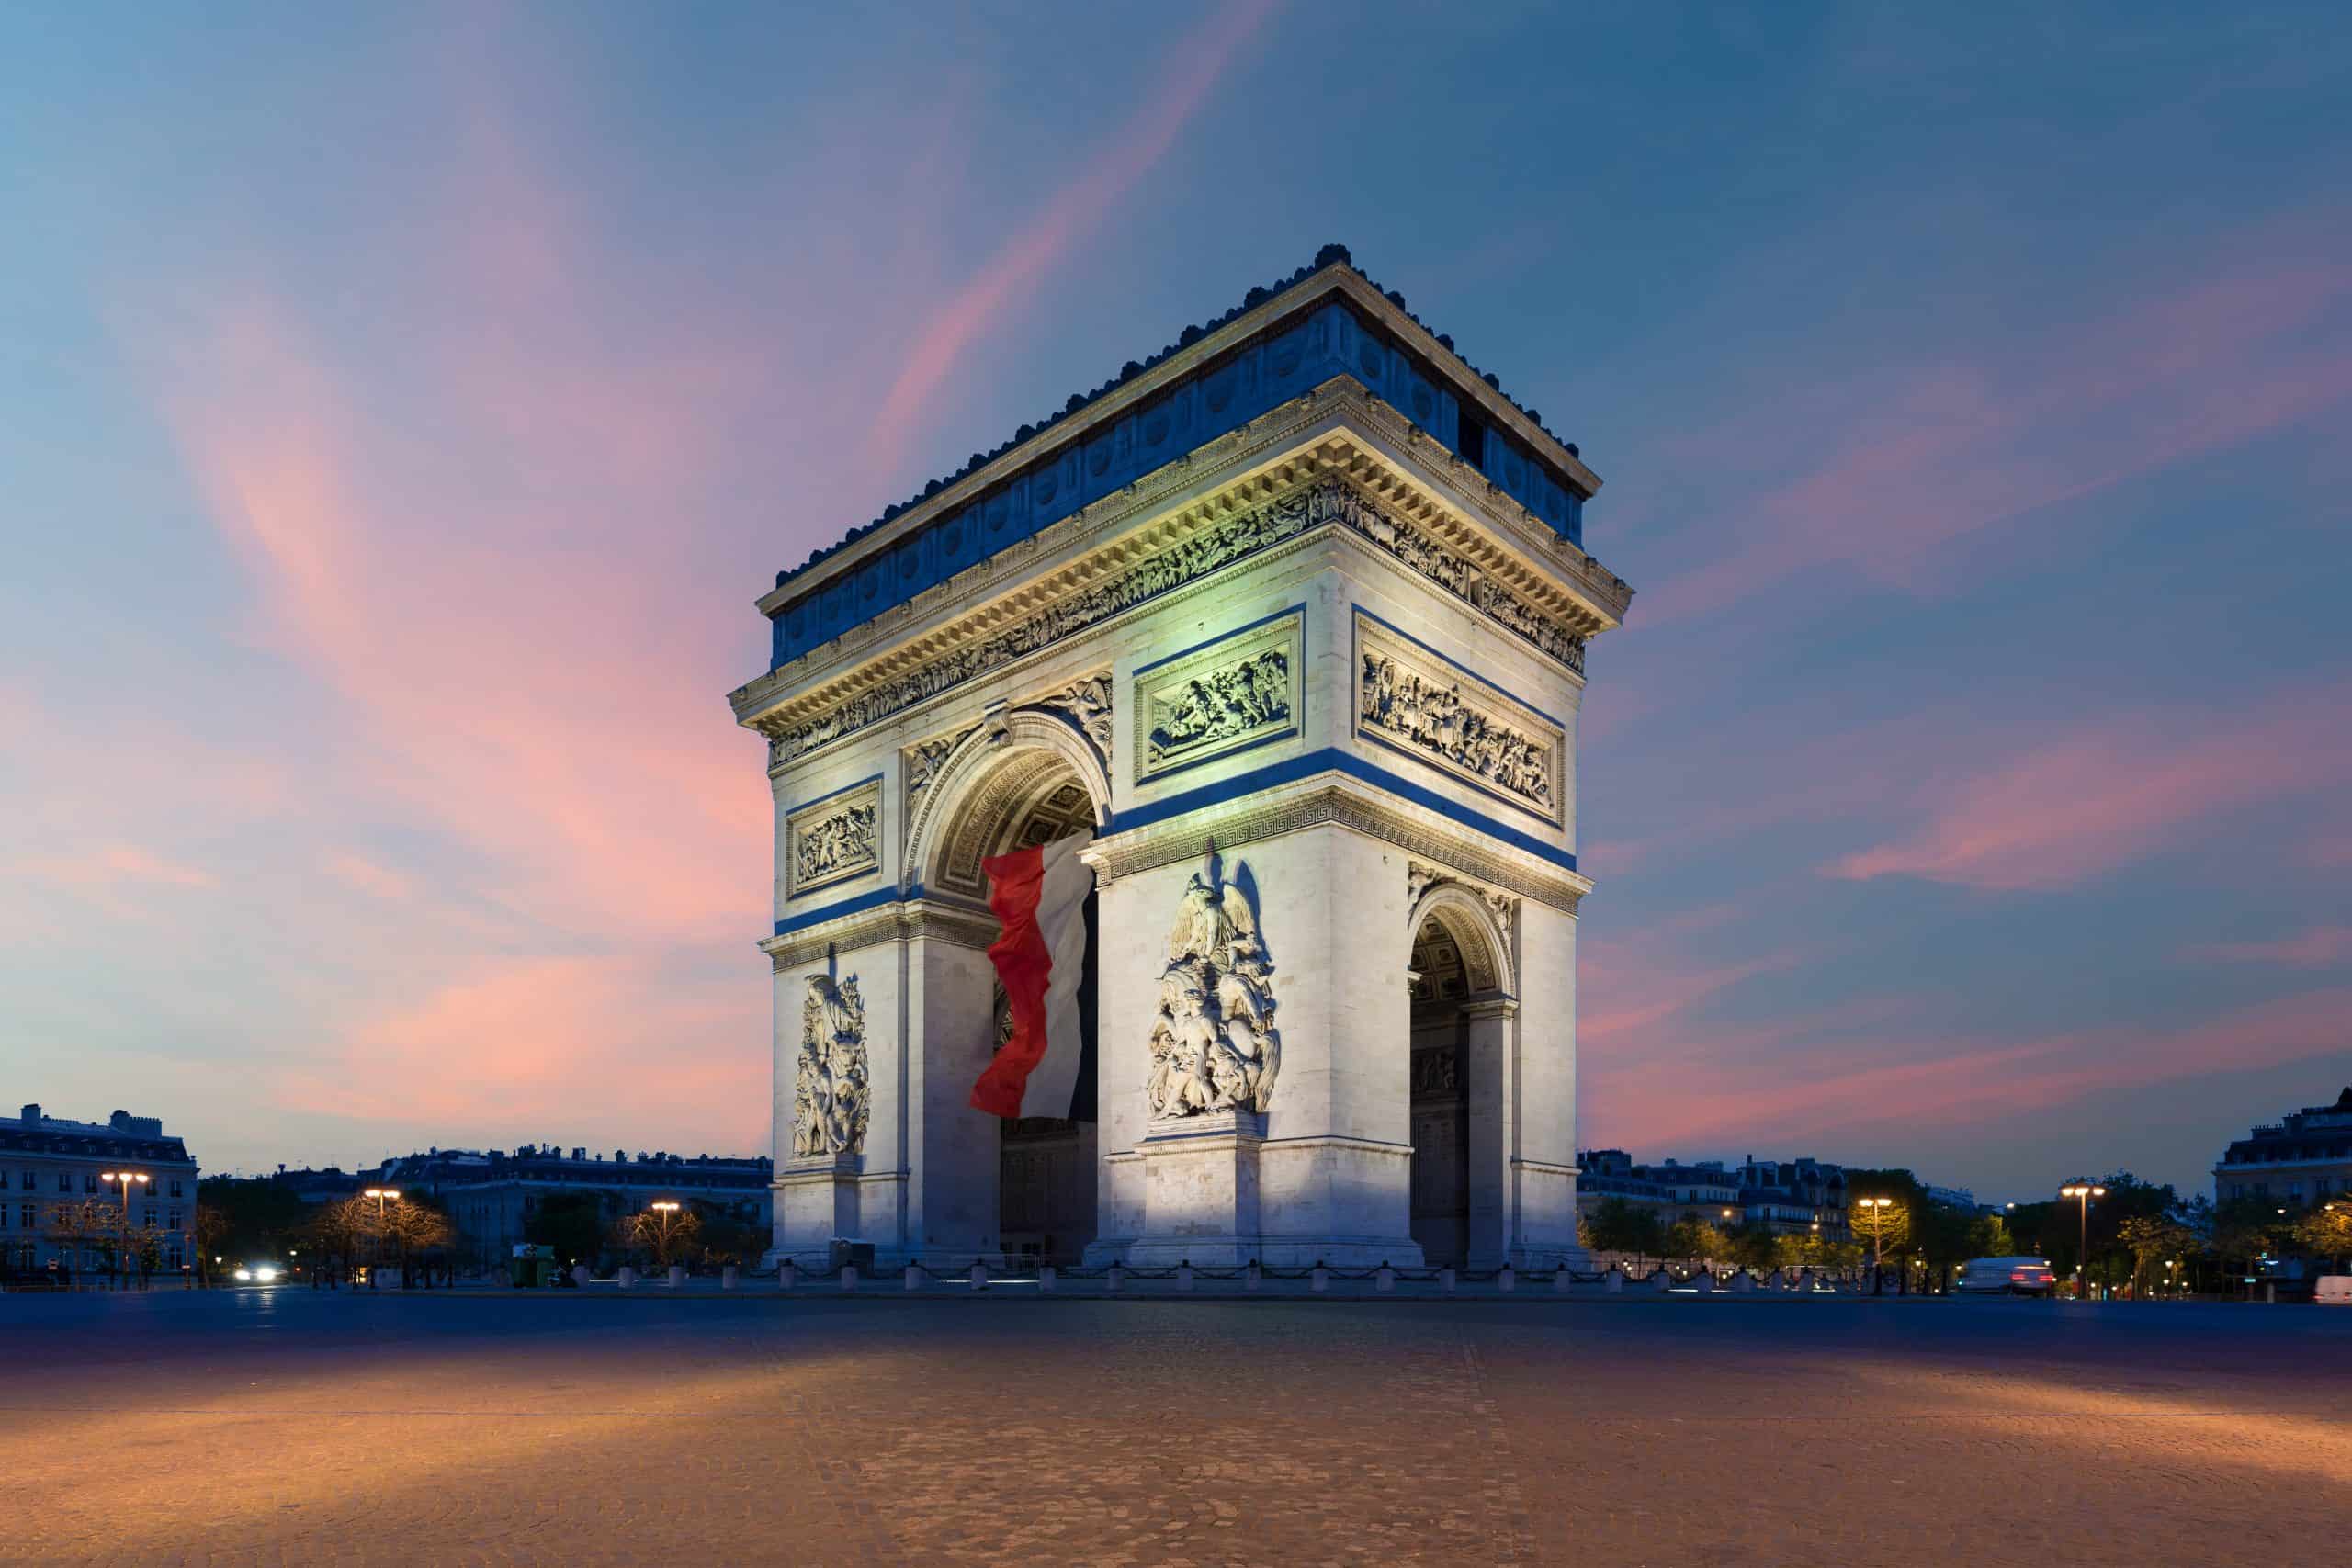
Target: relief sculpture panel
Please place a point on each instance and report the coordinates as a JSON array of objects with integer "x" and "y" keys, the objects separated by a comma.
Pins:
[
  {"x": 829, "y": 1099},
  {"x": 833, "y": 838},
  {"x": 1241, "y": 691},
  {"x": 1214, "y": 1044},
  {"x": 1412, "y": 699}
]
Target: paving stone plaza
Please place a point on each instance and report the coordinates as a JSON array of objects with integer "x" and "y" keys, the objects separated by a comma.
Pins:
[{"x": 297, "y": 1426}]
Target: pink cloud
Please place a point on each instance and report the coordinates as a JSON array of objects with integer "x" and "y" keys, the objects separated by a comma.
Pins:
[
  {"x": 510, "y": 1046},
  {"x": 2322, "y": 947},
  {"x": 382, "y": 880},
  {"x": 1919, "y": 456},
  {"x": 111, "y": 865},
  {"x": 1889, "y": 1084},
  {"x": 2065, "y": 810},
  {"x": 1193, "y": 70}
]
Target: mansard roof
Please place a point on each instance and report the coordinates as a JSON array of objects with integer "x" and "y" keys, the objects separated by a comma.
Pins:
[{"x": 1280, "y": 342}]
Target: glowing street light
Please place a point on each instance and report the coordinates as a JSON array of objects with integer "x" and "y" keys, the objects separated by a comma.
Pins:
[
  {"x": 1877, "y": 1208},
  {"x": 2085, "y": 1193},
  {"x": 125, "y": 1178}
]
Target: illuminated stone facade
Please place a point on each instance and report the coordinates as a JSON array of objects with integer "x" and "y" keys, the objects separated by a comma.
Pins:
[{"x": 1295, "y": 619}]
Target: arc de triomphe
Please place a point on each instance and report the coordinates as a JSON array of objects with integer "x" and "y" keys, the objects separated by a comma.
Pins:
[{"x": 1293, "y": 618}]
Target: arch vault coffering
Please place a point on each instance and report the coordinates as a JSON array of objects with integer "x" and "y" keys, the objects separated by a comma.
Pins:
[{"x": 994, "y": 791}]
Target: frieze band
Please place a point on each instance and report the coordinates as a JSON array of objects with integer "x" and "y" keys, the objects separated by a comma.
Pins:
[{"x": 1210, "y": 549}]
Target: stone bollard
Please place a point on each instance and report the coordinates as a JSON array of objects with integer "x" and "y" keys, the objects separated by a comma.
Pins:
[
  {"x": 1560, "y": 1281},
  {"x": 1184, "y": 1275},
  {"x": 914, "y": 1277},
  {"x": 1110, "y": 1278},
  {"x": 849, "y": 1276},
  {"x": 1047, "y": 1275},
  {"x": 1446, "y": 1282},
  {"x": 627, "y": 1277},
  {"x": 1612, "y": 1283},
  {"x": 980, "y": 1275},
  {"x": 1385, "y": 1281},
  {"x": 1742, "y": 1282},
  {"x": 1703, "y": 1282},
  {"x": 1320, "y": 1280},
  {"x": 784, "y": 1274},
  {"x": 1506, "y": 1279},
  {"x": 1661, "y": 1280},
  {"x": 727, "y": 1278},
  {"x": 1251, "y": 1278},
  {"x": 677, "y": 1275},
  {"x": 580, "y": 1275}
]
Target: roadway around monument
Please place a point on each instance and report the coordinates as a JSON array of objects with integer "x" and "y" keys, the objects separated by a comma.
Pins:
[{"x": 301, "y": 1427}]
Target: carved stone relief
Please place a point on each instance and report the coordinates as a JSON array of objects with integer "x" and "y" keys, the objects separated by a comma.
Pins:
[
  {"x": 1208, "y": 550},
  {"x": 830, "y": 1097},
  {"x": 1437, "y": 1072},
  {"x": 1087, "y": 704},
  {"x": 834, "y": 839},
  {"x": 1241, "y": 691},
  {"x": 1214, "y": 1044},
  {"x": 1413, "y": 701}
]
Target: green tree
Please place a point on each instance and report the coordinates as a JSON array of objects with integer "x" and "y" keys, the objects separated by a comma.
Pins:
[
  {"x": 79, "y": 1226},
  {"x": 662, "y": 1236},
  {"x": 1616, "y": 1225},
  {"x": 260, "y": 1217},
  {"x": 572, "y": 1222},
  {"x": 2326, "y": 1231},
  {"x": 2153, "y": 1240},
  {"x": 1693, "y": 1237}
]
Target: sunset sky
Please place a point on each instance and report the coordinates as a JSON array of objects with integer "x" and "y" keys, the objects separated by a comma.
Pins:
[{"x": 398, "y": 418}]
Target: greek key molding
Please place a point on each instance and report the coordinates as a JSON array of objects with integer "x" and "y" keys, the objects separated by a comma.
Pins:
[
  {"x": 833, "y": 838},
  {"x": 1238, "y": 691},
  {"x": 1242, "y": 822}
]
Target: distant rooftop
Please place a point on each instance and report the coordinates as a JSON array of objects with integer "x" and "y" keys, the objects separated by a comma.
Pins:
[
  {"x": 1279, "y": 342},
  {"x": 121, "y": 1135}
]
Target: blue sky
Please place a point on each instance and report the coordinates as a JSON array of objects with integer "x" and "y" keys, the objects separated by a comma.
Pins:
[{"x": 400, "y": 411}]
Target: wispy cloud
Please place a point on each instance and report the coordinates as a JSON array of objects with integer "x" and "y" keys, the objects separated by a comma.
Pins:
[
  {"x": 2322, "y": 947},
  {"x": 1191, "y": 72},
  {"x": 1898, "y": 461},
  {"x": 2061, "y": 811}
]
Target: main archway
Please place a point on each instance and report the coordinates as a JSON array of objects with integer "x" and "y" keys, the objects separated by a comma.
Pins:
[{"x": 1027, "y": 1186}]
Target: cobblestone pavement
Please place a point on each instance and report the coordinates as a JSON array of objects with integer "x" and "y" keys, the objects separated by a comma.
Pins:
[{"x": 296, "y": 1427}]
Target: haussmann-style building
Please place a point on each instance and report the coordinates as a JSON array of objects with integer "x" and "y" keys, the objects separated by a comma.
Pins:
[
  {"x": 49, "y": 1163},
  {"x": 1293, "y": 618}
]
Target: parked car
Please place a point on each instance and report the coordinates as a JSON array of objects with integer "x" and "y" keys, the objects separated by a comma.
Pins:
[{"x": 2007, "y": 1276}]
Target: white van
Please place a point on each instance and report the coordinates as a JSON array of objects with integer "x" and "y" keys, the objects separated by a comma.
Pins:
[{"x": 2014, "y": 1276}]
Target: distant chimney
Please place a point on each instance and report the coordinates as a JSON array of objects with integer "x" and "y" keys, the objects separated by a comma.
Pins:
[{"x": 31, "y": 1114}]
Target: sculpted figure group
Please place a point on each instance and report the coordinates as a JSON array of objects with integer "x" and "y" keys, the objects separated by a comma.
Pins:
[
  {"x": 1226, "y": 703},
  {"x": 1214, "y": 1044},
  {"x": 841, "y": 840},
  {"x": 1434, "y": 717},
  {"x": 830, "y": 1100}
]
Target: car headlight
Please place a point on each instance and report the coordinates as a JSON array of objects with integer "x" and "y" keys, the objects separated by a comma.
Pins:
[
  {"x": 264, "y": 1273},
  {"x": 244, "y": 1273}
]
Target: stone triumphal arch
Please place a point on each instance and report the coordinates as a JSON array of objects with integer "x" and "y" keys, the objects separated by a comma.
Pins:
[{"x": 1292, "y": 618}]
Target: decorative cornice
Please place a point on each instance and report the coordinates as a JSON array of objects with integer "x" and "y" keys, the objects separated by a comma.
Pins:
[
  {"x": 1329, "y": 800},
  {"x": 1131, "y": 574},
  {"x": 935, "y": 918},
  {"x": 1586, "y": 595}
]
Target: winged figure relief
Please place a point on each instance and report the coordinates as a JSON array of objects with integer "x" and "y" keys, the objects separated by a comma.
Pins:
[{"x": 1214, "y": 1046}]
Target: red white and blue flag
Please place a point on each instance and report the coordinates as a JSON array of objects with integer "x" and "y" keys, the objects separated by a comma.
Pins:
[{"x": 1040, "y": 896}]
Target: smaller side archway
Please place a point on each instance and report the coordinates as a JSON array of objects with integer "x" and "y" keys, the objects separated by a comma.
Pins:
[{"x": 1458, "y": 1078}]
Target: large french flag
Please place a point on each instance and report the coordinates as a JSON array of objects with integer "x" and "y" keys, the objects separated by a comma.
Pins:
[{"x": 1040, "y": 896}]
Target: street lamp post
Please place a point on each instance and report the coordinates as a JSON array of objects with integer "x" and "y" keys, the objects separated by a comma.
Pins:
[
  {"x": 125, "y": 1178},
  {"x": 1877, "y": 1208},
  {"x": 382, "y": 1195},
  {"x": 666, "y": 1207},
  {"x": 2084, "y": 1193}
]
